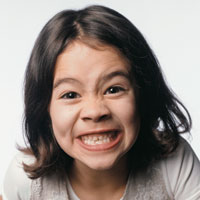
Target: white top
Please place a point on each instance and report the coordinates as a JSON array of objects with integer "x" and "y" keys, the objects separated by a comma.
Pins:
[{"x": 176, "y": 177}]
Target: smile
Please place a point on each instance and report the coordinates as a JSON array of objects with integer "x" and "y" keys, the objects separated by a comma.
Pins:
[
  {"x": 98, "y": 139},
  {"x": 101, "y": 140}
]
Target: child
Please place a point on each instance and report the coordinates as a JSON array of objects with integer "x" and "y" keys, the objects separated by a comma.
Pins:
[{"x": 100, "y": 121}]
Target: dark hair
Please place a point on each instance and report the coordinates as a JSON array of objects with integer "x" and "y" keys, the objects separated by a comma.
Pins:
[{"x": 161, "y": 113}]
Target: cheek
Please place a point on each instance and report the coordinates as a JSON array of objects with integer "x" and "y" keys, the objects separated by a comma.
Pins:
[
  {"x": 62, "y": 120},
  {"x": 127, "y": 114},
  {"x": 62, "y": 124},
  {"x": 125, "y": 110}
]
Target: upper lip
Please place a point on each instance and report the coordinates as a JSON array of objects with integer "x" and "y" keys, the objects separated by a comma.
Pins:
[{"x": 98, "y": 131}]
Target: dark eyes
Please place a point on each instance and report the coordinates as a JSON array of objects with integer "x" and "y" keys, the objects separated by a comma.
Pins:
[
  {"x": 110, "y": 90},
  {"x": 114, "y": 89},
  {"x": 70, "y": 95}
]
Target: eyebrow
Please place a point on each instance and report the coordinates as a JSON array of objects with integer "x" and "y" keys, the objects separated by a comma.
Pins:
[
  {"x": 65, "y": 80},
  {"x": 104, "y": 78},
  {"x": 116, "y": 73}
]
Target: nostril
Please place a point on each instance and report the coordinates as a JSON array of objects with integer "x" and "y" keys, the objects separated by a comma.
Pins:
[
  {"x": 103, "y": 117},
  {"x": 97, "y": 118},
  {"x": 95, "y": 112}
]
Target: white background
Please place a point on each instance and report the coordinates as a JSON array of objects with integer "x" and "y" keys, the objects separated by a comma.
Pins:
[{"x": 172, "y": 28}]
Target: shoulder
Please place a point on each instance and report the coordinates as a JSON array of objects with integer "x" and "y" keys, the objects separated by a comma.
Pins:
[
  {"x": 16, "y": 183},
  {"x": 181, "y": 172}
]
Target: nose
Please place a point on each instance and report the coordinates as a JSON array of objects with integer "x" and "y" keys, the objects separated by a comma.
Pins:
[{"x": 95, "y": 110}]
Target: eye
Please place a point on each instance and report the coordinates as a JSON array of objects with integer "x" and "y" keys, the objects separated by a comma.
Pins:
[
  {"x": 70, "y": 95},
  {"x": 114, "y": 89}
]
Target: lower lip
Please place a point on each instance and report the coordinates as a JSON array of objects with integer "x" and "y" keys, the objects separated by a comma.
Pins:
[{"x": 101, "y": 147}]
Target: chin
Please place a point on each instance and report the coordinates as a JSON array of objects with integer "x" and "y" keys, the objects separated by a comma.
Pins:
[
  {"x": 102, "y": 164},
  {"x": 101, "y": 167}
]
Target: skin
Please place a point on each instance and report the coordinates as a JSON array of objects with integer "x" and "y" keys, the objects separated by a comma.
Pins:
[{"x": 92, "y": 96}]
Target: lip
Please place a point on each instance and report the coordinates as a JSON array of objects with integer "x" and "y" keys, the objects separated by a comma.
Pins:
[
  {"x": 98, "y": 131},
  {"x": 100, "y": 147}
]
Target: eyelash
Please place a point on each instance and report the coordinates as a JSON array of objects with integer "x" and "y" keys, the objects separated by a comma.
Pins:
[
  {"x": 110, "y": 90},
  {"x": 117, "y": 89},
  {"x": 70, "y": 95}
]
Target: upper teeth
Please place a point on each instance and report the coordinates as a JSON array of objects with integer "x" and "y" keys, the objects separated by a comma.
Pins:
[{"x": 93, "y": 140}]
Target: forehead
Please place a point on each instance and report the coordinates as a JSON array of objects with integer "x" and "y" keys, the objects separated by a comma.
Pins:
[{"x": 94, "y": 55}]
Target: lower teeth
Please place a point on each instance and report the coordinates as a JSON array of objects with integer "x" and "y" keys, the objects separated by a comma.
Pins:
[
  {"x": 97, "y": 140},
  {"x": 92, "y": 142}
]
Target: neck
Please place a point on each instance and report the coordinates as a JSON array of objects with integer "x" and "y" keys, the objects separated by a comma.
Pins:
[{"x": 89, "y": 183}]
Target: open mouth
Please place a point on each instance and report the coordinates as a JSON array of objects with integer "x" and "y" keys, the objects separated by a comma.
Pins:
[{"x": 100, "y": 141}]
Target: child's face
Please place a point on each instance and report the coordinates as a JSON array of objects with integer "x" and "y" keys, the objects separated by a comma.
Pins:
[{"x": 93, "y": 109}]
